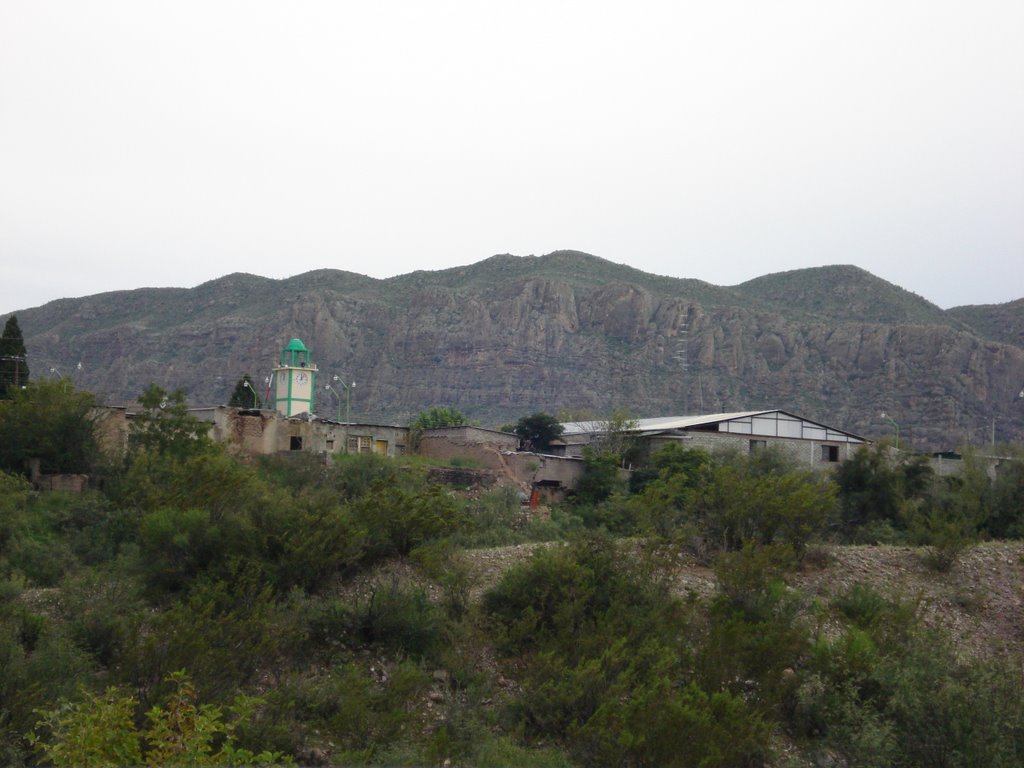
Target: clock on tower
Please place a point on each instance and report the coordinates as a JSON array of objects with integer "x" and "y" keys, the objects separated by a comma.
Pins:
[{"x": 294, "y": 380}]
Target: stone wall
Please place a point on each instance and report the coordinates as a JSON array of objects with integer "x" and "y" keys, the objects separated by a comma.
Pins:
[
  {"x": 262, "y": 432},
  {"x": 467, "y": 435},
  {"x": 482, "y": 446},
  {"x": 111, "y": 429},
  {"x": 66, "y": 483},
  {"x": 463, "y": 478},
  {"x": 553, "y": 472}
]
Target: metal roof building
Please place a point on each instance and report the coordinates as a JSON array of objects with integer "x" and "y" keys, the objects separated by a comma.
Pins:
[{"x": 806, "y": 440}]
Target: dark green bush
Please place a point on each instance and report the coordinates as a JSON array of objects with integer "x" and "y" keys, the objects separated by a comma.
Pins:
[
  {"x": 226, "y": 633},
  {"x": 398, "y": 518},
  {"x": 401, "y": 619},
  {"x": 891, "y": 691},
  {"x": 600, "y": 478},
  {"x": 608, "y": 666},
  {"x": 49, "y": 422},
  {"x": 361, "y": 712}
]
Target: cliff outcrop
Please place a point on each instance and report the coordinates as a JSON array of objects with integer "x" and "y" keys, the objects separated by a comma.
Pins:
[{"x": 511, "y": 335}]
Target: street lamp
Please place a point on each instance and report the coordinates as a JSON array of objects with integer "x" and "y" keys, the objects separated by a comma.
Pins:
[
  {"x": 255, "y": 397},
  {"x": 885, "y": 416},
  {"x": 60, "y": 375},
  {"x": 348, "y": 402},
  {"x": 337, "y": 398}
]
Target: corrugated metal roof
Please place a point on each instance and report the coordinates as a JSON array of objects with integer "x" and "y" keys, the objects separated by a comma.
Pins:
[
  {"x": 660, "y": 423},
  {"x": 670, "y": 423}
]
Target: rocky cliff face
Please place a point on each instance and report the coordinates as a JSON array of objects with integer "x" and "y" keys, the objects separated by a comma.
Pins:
[{"x": 509, "y": 336}]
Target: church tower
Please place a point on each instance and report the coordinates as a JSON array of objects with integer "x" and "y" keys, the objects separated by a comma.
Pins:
[{"x": 294, "y": 380}]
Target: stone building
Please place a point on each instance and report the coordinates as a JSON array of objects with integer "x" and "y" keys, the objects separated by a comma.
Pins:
[{"x": 254, "y": 432}]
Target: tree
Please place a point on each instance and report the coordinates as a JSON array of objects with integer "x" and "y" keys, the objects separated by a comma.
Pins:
[
  {"x": 600, "y": 478},
  {"x": 619, "y": 436},
  {"x": 49, "y": 421},
  {"x": 165, "y": 426},
  {"x": 737, "y": 504},
  {"x": 881, "y": 493},
  {"x": 438, "y": 416},
  {"x": 1006, "y": 519},
  {"x": 869, "y": 488},
  {"x": 538, "y": 430},
  {"x": 244, "y": 395},
  {"x": 13, "y": 362}
]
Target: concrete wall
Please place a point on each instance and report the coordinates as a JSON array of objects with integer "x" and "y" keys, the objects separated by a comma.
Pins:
[
  {"x": 253, "y": 432},
  {"x": 460, "y": 477},
  {"x": 807, "y": 453}
]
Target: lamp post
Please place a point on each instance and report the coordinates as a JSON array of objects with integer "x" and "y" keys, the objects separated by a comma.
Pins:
[
  {"x": 885, "y": 416},
  {"x": 60, "y": 375},
  {"x": 337, "y": 397},
  {"x": 255, "y": 398},
  {"x": 348, "y": 402}
]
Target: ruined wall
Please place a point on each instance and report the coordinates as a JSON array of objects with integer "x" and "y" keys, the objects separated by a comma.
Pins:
[{"x": 533, "y": 469}]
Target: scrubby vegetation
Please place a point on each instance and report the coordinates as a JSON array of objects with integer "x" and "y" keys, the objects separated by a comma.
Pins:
[{"x": 198, "y": 609}]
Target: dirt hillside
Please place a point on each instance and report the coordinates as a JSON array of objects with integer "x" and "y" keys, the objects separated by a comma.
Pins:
[{"x": 980, "y": 600}]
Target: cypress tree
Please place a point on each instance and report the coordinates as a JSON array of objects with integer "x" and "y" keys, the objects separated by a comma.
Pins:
[
  {"x": 13, "y": 358},
  {"x": 245, "y": 396}
]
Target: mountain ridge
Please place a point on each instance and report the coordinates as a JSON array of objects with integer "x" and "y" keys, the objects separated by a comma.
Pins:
[{"x": 509, "y": 335}]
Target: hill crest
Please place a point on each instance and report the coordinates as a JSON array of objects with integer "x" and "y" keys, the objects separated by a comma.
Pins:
[{"x": 512, "y": 335}]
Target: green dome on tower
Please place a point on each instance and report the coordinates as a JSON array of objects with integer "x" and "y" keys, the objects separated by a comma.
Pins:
[
  {"x": 295, "y": 380},
  {"x": 295, "y": 354}
]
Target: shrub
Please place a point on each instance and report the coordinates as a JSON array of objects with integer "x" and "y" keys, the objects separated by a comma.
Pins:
[
  {"x": 402, "y": 620},
  {"x": 889, "y": 690},
  {"x": 754, "y": 638},
  {"x": 607, "y": 668},
  {"x": 226, "y": 633},
  {"x": 399, "y": 518},
  {"x": 493, "y": 519},
  {"x": 100, "y": 731},
  {"x": 361, "y": 713},
  {"x": 738, "y": 503},
  {"x": 600, "y": 478},
  {"x": 658, "y": 724}
]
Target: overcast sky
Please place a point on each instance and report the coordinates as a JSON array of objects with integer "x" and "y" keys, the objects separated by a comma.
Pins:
[{"x": 166, "y": 144}]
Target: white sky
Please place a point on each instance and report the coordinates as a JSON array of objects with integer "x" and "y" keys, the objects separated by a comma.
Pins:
[{"x": 166, "y": 144}]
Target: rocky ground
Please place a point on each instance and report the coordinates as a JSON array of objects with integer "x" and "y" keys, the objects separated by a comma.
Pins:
[{"x": 980, "y": 600}]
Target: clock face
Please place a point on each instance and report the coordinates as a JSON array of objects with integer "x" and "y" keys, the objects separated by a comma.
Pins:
[{"x": 301, "y": 378}]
